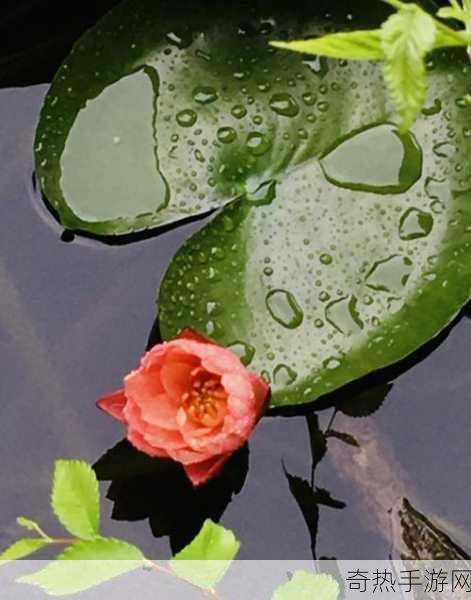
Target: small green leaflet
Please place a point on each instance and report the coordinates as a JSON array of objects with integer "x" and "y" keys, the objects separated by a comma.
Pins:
[
  {"x": 403, "y": 42},
  {"x": 75, "y": 498},
  {"x": 67, "y": 575},
  {"x": 307, "y": 586},
  {"x": 358, "y": 45},
  {"x": 23, "y": 548},
  {"x": 32, "y": 526},
  {"x": 407, "y": 37},
  {"x": 213, "y": 548}
]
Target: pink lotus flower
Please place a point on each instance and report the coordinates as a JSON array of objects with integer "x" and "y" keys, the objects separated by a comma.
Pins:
[{"x": 192, "y": 401}]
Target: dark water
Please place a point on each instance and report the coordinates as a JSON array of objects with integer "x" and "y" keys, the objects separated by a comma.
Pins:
[{"x": 75, "y": 317}]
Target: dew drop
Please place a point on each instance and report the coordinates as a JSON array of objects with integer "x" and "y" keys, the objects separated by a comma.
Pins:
[
  {"x": 331, "y": 363},
  {"x": 226, "y": 135},
  {"x": 284, "y": 375},
  {"x": 325, "y": 259},
  {"x": 238, "y": 111},
  {"x": 257, "y": 143},
  {"x": 344, "y": 316},
  {"x": 377, "y": 159},
  {"x": 180, "y": 39},
  {"x": 264, "y": 194},
  {"x": 318, "y": 65},
  {"x": 433, "y": 109},
  {"x": 414, "y": 224},
  {"x": 243, "y": 350},
  {"x": 186, "y": 117},
  {"x": 284, "y": 308},
  {"x": 204, "y": 95},
  {"x": 309, "y": 98},
  {"x": 390, "y": 275},
  {"x": 284, "y": 104},
  {"x": 444, "y": 150}
]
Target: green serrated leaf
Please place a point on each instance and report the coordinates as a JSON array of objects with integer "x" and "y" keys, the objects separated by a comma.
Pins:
[
  {"x": 451, "y": 12},
  {"x": 67, "y": 575},
  {"x": 75, "y": 498},
  {"x": 213, "y": 549},
  {"x": 356, "y": 45},
  {"x": 406, "y": 38},
  {"x": 23, "y": 548},
  {"x": 447, "y": 37},
  {"x": 306, "y": 586}
]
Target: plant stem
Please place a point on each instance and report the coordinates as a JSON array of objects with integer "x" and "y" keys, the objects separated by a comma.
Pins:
[
  {"x": 331, "y": 422},
  {"x": 211, "y": 593}
]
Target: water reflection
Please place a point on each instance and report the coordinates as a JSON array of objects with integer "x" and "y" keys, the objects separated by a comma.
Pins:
[
  {"x": 158, "y": 490},
  {"x": 361, "y": 455}
]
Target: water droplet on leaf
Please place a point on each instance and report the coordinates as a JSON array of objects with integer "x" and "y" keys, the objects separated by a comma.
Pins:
[
  {"x": 284, "y": 308},
  {"x": 284, "y": 104},
  {"x": 344, "y": 316},
  {"x": 390, "y": 275},
  {"x": 414, "y": 224},
  {"x": 377, "y": 159}
]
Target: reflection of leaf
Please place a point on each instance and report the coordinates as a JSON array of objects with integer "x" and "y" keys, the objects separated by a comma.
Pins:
[
  {"x": 309, "y": 499},
  {"x": 307, "y": 502},
  {"x": 344, "y": 437},
  {"x": 317, "y": 440},
  {"x": 307, "y": 586},
  {"x": 68, "y": 575},
  {"x": 22, "y": 548},
  {"x": 156, "y": 489},
  {"x": 322, "y": 496},
  {"x": 213, "y": 549},
  {"x": 75, "y": 498},
  {"x": 365, "y": 403}
]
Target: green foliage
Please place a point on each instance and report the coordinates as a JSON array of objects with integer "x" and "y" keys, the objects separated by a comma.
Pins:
[
  {"x": 68, "y": 575},
  {"x": 402, "y": 43},
  {"x": 75, "y": 498},
  {"x": 359, "y": 45},
  {"x": 407, "y": 37},
  {"x": 307, "y": 586},
  {"x": 23, "y": 548},
  {"x": 319, "y": 302},
  {"x": 213, "y": 549}
]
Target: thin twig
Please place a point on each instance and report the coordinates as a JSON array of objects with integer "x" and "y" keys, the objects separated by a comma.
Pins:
[{"x": 211, "y": 593}]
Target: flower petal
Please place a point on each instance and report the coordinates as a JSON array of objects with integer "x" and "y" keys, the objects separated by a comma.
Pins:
[
  {"x": 114, "y": 404},
  {"x": 139, "y": 442},
  {"x": 199, "y": 473},
  {"x": 261, "y": 390},
  {"x": 175, "y": 377},
  {"x": 191, "y": 334}
]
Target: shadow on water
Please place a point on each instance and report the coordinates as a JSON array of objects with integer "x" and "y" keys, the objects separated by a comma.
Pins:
[
  {"x": 68, "y": 235},
  {"x": 158, "y": 489}
]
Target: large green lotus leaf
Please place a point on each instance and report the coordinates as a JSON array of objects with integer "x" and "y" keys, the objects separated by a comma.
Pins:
[
  {"x": 168, "y": 109},
  {"x": 351, "y": 262}
]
